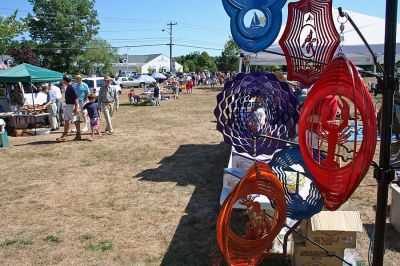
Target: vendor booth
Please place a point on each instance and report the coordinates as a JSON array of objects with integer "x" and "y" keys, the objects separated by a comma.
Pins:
[{"x": 20, "y": 109}]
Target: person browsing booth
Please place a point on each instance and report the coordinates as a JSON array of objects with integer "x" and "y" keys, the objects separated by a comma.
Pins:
[{"x": 51, "y": 107}]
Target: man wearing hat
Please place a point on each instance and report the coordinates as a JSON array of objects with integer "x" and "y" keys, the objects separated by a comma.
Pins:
[
  {"x": 108, "y": 99},
  {"x": 51, "y": 106}
]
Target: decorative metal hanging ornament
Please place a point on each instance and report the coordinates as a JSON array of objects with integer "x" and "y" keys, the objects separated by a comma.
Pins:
[
  {"x": 255, "y": 24},
  {"x": 302, "y": 196},
  {"x": 251, "y": 247},
  {"x": 254, "y": 107},
  {"x": 338, "y": 97},
  {"x": 310, "y": 34}
]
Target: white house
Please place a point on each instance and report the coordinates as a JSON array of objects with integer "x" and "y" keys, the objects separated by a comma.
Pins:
[{"x": 146, "y": 63}]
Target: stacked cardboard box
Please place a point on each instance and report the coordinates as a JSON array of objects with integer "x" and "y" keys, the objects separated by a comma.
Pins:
[
  {"x": 395, "y": 208},
  {"x": 239, "y": 164},
  {"x": 335, "y": 231}
]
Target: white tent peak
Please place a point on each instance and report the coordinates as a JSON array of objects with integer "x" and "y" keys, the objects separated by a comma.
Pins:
[{"x": 373, "y": 29}]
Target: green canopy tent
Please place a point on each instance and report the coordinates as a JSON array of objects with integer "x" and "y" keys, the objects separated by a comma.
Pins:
[{"x": 29, "y": 73}]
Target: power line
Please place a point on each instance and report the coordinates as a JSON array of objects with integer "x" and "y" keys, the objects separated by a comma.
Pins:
[
  {"x": 200, "y": 42},
  {"x": 95, "y": 48},
  {"x": 198, "y": 47},
  {"x": 202, "y": 26}
]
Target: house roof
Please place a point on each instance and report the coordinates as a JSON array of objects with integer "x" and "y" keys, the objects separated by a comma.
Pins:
[
  {"x": 140, "y": 59},
  {"x": 5, "y": 57}
]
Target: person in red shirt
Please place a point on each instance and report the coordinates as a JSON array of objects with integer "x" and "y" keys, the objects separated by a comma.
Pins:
[{"x": 189, "y": 86}]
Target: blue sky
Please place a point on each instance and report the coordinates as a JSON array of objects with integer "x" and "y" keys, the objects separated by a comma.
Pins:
[{"x": 200, "y": 23}]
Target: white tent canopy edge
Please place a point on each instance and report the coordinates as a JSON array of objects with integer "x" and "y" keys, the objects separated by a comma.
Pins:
[{"x": 371, "y": 27}]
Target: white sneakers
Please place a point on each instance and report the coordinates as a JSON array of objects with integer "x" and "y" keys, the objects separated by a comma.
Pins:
[{"x": 84, "y": 129}]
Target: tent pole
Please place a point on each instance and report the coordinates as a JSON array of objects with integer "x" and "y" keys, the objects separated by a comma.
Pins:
[
  {"x": 384, "y": 174},
  {"x": 33, "y": 97}
]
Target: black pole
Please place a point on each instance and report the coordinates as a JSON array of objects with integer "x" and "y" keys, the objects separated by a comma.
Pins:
[{"x": 384, "y": 174}]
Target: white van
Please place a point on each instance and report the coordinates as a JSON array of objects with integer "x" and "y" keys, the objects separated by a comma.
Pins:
[{"x": 96, "y": 83}]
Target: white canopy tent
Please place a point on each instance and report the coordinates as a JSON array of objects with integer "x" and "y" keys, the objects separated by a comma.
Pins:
[{"x": 372, "y": 28}]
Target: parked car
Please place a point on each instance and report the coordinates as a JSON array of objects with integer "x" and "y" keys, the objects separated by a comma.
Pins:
[
  {"x": 95, "y": 84},
  {"x": 125, "y": 82},
  {"x": 142, "y": 84}
]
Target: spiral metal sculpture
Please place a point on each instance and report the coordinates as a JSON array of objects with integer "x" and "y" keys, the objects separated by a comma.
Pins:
[
  {"x": 255, "y": 24},
  {"x": 254, "y": 245},
  {"x": 254, "y": 107},
  {"x": 310, "y": 33},
  {"x": 302, "y": 196},
  {"x": 324, "y": 124}
]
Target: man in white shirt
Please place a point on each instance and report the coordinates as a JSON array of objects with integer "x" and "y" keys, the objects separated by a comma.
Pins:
[{"x": 59, "y": 103}]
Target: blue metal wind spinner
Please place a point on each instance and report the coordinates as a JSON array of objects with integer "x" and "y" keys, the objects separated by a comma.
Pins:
[
  {"x": 302, "y": 196},
  {"x": 255, "y": 24}
]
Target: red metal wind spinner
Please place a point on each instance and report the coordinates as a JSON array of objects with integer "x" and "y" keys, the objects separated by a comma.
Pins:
[
  {"x": 310, "y": 33},
  {"x": 254, "y": 245},
  {"x": 337, "y": 98}
]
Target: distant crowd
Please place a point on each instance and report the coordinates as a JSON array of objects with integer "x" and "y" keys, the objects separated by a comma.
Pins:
[{"x": 73, "y": 102}]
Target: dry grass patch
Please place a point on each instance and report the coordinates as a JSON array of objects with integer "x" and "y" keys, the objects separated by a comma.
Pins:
[{"x": 148, "y": 195}]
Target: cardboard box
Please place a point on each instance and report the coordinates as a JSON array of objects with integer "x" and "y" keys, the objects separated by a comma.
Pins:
[
  {"x": 336, "y": 230},
  {"x": 395, "y": 208},
  {"x": 244, "y": 161},
  {"x": 232, "y": 176},
  {"x": 307, "y": 256}
]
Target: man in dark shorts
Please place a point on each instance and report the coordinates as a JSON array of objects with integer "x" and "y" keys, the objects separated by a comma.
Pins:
[{"x": 71, "y": 112}]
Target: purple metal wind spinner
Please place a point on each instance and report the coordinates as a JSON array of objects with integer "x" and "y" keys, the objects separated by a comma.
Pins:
[{"x": 254, "y": 106}]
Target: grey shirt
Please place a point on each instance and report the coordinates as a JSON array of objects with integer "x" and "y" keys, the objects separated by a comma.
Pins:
[{"x": 108, "y": 95}]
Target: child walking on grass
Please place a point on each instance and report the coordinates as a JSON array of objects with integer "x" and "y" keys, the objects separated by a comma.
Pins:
[{"x": 93, "y": 110}]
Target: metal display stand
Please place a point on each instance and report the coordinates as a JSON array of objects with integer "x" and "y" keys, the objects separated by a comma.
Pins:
[{"x": 384, "y": 172}]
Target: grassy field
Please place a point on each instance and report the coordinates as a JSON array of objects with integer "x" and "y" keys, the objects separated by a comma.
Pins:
[{"x": 148, "y": 195}]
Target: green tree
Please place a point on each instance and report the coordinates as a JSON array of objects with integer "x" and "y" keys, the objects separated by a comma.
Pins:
[
  {"x": 229, "y": 59},
  {"x": 98, "y": 57},
  {"x": 197, "y": 62},
  {"x": 61, "y": 29},
  {"x": 10, "y": 27},
  {"x": 151, "y": 70}
]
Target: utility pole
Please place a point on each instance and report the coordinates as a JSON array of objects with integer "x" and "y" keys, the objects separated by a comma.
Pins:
[{"x": 170, "y": 24}]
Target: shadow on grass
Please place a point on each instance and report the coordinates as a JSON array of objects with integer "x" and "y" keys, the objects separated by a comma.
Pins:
[
  {"x": 211, "y": 89},
  {"x": 392, "y": 237},
  {"x": 37, "y": 143},
  {"x": 194, "y": 240}
]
